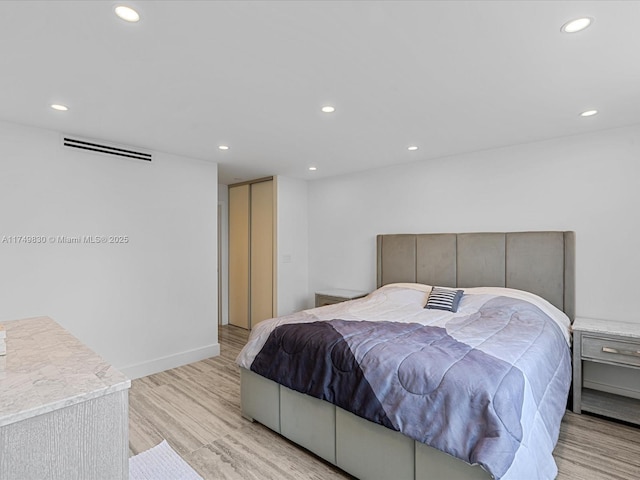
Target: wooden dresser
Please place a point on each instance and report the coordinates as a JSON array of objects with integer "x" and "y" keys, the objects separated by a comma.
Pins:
[{"x": 63, "y": 409}]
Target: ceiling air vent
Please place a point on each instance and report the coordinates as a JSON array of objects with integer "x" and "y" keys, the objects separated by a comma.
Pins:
[{"x": 103, "y": 148}]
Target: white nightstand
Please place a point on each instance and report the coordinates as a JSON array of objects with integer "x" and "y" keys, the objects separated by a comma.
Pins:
[
  {"x": 337, "y": 295},
  {"x": 612, "y": 343}
]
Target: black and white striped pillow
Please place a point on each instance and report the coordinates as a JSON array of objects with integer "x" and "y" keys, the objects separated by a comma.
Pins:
[{"x": 444, "y": 299}]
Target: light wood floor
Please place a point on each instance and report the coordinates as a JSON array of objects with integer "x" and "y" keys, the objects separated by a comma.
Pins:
[{"x": 196, "y": 408}]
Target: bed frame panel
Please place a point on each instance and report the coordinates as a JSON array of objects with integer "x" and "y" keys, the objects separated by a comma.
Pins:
[
  {"x": 368, "y": 450},
  {"x": 362, "y": 448},
  {"x": 540, "y": 262},
  {"x": 311, "y": 424},
  {"x": 260, "y": 399}
]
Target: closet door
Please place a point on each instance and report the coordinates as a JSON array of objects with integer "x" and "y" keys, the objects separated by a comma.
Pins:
[
  {"x": 239, "y": 223},
  {"x": 261, "y": 245}
]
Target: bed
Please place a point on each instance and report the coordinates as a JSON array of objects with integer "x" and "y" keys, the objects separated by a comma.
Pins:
[{"x": 456, "y": 421}]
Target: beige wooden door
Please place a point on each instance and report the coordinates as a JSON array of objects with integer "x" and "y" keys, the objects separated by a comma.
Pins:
[
  {"x": 239, "y": 224},
  {"x": 261, "y": 245}
]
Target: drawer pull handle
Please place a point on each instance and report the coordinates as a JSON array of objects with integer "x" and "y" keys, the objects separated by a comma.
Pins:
[{"x": 621, "y": 352}]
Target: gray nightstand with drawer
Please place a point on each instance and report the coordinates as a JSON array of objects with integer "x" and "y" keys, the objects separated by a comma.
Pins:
[
  {"x": 337, "y": 295},
  {"x": 616, "y": 344}
]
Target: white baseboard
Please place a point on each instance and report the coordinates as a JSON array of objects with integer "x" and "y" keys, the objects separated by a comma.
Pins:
[{"x": 171, "y": 361}]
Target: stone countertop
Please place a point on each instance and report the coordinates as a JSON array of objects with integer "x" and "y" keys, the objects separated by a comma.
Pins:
[
  {"x": 47, "y": 368},
  {"x": 608, "y": 327}
]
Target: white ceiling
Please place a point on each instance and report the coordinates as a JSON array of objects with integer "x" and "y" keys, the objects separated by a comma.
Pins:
[{"x": 450, "y": 77}]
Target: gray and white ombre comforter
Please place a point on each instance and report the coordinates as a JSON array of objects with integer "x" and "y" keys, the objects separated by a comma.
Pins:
[{"x": 487, "y": 384}]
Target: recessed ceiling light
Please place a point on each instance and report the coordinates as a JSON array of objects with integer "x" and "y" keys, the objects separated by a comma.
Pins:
[
  {"x": 223, "y": 147},
  {"x": 412, "y": 148},
  {"x": 127, "y": 14},
  {"x": 589, "y": 113},
  {"x": 328, "y": 109},
  {"x": 576, "y": 25},
  {"x": 313, "y": 169},
  {"x": 59, "y": 107}
]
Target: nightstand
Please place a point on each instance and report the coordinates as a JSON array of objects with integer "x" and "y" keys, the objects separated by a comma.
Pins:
[
  {"x": 616, "y": 344},
  {"x": 337, "y": 295}
]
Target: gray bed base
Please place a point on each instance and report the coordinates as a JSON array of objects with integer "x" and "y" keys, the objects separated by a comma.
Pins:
[
  {"x": 539, "y": 262},
  {"x": 359, "y": 447}
]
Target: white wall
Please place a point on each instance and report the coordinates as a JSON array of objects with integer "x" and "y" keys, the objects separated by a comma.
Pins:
[
  {"x": 292, "y": 246},
  {"x": 587, "y": 183},
  {"x": 146, "y": 305}
]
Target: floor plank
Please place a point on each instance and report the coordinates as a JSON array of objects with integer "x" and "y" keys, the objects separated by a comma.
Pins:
[{"x": 196, "y": 408}]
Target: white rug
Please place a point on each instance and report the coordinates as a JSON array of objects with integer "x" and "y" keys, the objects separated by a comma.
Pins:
[{"x": 160, "y": 463}]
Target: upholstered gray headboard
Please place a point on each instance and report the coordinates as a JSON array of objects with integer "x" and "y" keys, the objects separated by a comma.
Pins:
[{"x": 539, "y": 262}]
